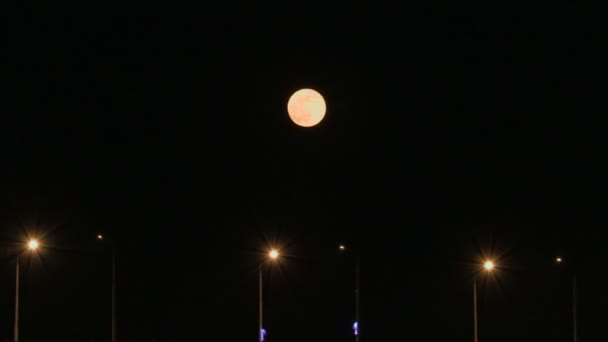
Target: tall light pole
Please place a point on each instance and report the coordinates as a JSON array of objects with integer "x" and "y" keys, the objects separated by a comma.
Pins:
[
  {"x": 100, "y": 237},
  {"x": 559, "y": 260},
  {"x": 475, "y": 327},
  {"x": 16, "y": 327},
  {"x": 344, "y": 249},
  {"x": 357, "y": 298},
  {"x": 574, "y": 308},
  {"x": 489, "y": 267},
  {"x": 260, "y": 311},
  {"x": 32, "y": 245},
  {"x": 272, "y": 255}
]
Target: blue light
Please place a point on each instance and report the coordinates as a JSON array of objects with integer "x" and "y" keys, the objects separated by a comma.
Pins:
[
  {"x": 356, "y": 328},
  {"x": 263, "y": 334}
]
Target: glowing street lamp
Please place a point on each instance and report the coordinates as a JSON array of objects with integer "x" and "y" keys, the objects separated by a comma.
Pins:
[
  {"x": 32, "y": 246},
  {"x": 273, "y": 255},
  {"x": 488, "y": 267},
  {"x": 101, "y": 237},
  {"x": 559, "y": 260},
  {"x": 342, "y": 248}
]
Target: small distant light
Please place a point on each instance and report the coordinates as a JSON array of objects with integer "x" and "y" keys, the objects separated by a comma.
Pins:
[
  {"x": 342, "y": 247},
  {"x": 356, "y": 328},
  {"x": 33, "y": 244},
  {"x": 559, "y": 260},
  {"x": 99, "y": 237},
  {"x": 274, "y": 254},
  {"x": 489, "y": 265}
]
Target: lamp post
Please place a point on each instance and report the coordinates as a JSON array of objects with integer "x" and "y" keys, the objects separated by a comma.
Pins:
[
  {"x": 559, "y": 260},
  {"x": 32, "y": 245},
  {"x": 272, "y": 255},
  {"x": 489, "y": 267},
  {"x": 357, "y": 296},
  {"x": 574, "y": 309},
  {"x": 100, "y": 237},
  {"x": 343, "y": 249}
]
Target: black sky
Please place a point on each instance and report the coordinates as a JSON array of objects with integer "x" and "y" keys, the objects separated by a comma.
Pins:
[{"x": 451, "y": 133}]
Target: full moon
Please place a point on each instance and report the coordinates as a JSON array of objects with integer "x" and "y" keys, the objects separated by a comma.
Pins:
[{"x": 306, "y": 107}]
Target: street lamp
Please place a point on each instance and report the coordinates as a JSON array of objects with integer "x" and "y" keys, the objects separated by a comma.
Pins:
[
  {"x": 32, "y": 246},
  {"x": 559, "y": 260},
  {"x": 488, "y": 267},
  {"x": 343, "y": 249},
  {"x": 273, "y": 255},
  {"x": 100, "y": 237}
]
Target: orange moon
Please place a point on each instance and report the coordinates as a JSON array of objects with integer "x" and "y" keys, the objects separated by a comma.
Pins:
[{"x": 306, "y": 107}]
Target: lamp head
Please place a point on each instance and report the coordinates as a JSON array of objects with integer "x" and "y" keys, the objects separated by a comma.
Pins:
[
  {"x": 273, "y": 254},
  {"x": 32, "y": 244},
  {"x": 489, "y": 265}
]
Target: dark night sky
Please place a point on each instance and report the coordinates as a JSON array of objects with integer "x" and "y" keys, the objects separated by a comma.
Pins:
[{"x": 451, "y": 134}]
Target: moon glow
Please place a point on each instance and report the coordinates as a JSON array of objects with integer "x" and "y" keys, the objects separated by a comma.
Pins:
[{"x": 306, "y": 107}]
